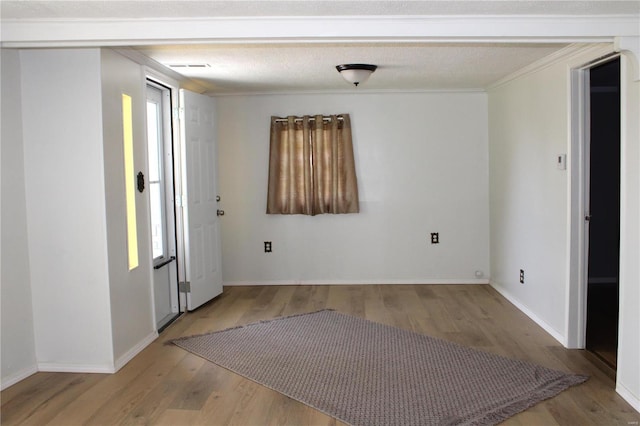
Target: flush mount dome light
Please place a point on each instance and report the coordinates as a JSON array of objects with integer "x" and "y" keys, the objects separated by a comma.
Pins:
[{"x": 356, "y": 73}]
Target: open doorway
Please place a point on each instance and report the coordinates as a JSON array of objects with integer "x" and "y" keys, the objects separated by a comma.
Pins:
[
  {"x": 162, "y": 202},
  {"x": 603, "y": 211}
]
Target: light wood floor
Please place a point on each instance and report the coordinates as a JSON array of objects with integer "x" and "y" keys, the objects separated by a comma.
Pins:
[{"x": 165, "y": 385}]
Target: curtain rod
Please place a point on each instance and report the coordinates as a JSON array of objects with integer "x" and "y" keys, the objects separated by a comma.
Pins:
[{"x": 311, "y": 118}]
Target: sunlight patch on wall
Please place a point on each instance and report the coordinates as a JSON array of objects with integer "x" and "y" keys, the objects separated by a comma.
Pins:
[{"x": 130, "y": 190}]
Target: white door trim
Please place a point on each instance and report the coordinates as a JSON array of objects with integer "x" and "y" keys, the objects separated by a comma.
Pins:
[{"x": 578, "y": 200}]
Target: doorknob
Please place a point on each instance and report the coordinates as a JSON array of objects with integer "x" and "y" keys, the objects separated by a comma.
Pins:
[
  {"x": 587, "y": 218},
  {"x": 220, "y": 212},
  {"x": 217, "y": 198}
]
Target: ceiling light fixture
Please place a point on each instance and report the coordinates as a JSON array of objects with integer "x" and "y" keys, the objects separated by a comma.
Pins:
[{"x": 356, "y": 73}]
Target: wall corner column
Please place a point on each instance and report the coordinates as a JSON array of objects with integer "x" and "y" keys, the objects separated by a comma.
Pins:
[{"x": 632, "y": 45}]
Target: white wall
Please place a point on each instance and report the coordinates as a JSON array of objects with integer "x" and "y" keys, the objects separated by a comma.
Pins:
[
  {"x": 628, "y": 368},
  {"x": 90, "y": 313},
  {"x": 18, "y": 358},
  {"x": 64, "y": 174},
  {"x": 528, "y": 194},
  {"x": 421, "y": 162},
  {"x": 529, "y": 126},
  {"x": 131, "y": 300}
]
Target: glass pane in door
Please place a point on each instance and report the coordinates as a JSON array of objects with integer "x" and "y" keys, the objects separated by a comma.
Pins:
[{"x": 156, "y": 195}]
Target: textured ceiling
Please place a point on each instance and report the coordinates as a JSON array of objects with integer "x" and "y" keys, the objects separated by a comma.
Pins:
[
  {"x": 280, "y": 67},
  {"x": 27, "y": 9},
  {"x": 401, "y": 66}
]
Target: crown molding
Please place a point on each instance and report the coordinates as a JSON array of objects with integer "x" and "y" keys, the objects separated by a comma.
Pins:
[
  {"x": 564, "y": 55},
  {"x": 139, "y": 58},
  {"x": 18, "y": 33},
  {"x": 353, "y": 92}
]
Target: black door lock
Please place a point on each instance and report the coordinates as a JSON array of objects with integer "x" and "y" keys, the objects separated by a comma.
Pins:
[{"x": 140, "y": 182}]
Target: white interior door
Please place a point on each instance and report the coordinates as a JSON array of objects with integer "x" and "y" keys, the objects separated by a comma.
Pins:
[{"x": 200, "y": 206}]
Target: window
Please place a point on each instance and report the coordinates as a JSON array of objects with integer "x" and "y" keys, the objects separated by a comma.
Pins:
[{"x": 311, "y": 166}]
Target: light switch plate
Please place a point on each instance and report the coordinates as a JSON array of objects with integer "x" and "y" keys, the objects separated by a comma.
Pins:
[{"x": 561, "y": 161}]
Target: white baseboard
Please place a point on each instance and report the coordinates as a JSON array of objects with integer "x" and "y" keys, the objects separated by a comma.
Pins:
[
  {"x": 12, "y": 379},
  {"x": 554, "y": 333},
  {"x": 628, "y": 396},
  {"x": 79, "y": 368},
  {"x": 128, "y": 356},
  {"x": 357, "y": 282},
  {"x": 53, "y": 367}
]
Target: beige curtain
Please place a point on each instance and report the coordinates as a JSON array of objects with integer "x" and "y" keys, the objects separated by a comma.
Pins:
[{"x": 311, "y": 166}]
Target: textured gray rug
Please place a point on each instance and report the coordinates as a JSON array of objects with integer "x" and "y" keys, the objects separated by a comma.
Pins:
[{"x": 365, "y": 373}]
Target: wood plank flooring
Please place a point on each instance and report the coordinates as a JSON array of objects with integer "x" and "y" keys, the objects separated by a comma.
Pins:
[{"x": 164, "y": 385}]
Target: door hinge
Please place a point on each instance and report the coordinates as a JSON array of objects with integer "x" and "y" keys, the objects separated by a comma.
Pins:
[
  {"x": 178, "y": 113},
  {"x": 184, "y": 287}
]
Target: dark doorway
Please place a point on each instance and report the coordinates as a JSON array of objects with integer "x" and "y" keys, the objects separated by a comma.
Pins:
[{"x": 604, "y": 212}]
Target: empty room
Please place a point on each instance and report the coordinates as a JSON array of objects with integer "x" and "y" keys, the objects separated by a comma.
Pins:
[{"x": 320, "y": 212}]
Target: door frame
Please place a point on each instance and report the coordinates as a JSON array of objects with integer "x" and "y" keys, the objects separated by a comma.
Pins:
[
  {"x": 174, "y": 88},
  {"x": 576, "y": 324}
]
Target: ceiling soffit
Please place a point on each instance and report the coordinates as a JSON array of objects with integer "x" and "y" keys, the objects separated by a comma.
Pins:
[
  {"x": 120, "y": 32},
  {"x": 432, "y": 46}
]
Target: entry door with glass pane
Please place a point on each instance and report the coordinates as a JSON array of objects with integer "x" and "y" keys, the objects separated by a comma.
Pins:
[{"x": 161, "y": 197}]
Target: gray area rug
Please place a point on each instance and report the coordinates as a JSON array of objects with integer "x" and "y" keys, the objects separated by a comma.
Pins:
[{"x": 366, "y": 373}]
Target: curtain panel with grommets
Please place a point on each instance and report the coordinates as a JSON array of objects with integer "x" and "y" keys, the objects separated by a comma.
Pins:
[{"x": 311, "y": 166}]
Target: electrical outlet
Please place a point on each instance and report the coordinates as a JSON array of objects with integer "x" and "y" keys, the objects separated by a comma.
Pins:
[
  {"x": 521, "y": 276},
  {"x": 435, "y": 238},
  {"x": 267, "y": 246}
]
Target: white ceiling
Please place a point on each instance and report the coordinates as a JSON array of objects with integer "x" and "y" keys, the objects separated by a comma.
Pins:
[
  {"x": 242, "y": 66},
  {"x": 311, "y": 67}
]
